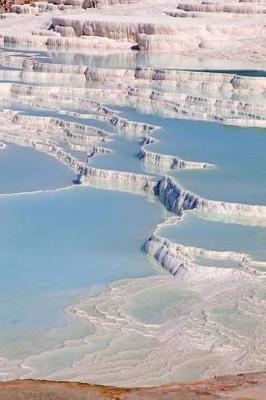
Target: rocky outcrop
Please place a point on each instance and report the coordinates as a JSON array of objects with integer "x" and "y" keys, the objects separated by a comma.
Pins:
[
  {"x": 150, "y": 28},
  {"x": 112, "y": 30},
  {"x": 164, "y": 162},
  {"x": 83, "y": 43},
  {"x": 170, "y": 256},
  {"x": 103, "y": 3},
  {"x": 103, "y": 75},
  {"x": 214, "y": 81},
  {"x": 11, "y": 61},
  {"x": 196, "y": 107},
  {"x": 133, "y": 127},
  {"x": 210, "y": 7},
  {"x": 73, "y": 3},
  {"x": 119, "y": 180},
  {"x": 186, "y": 79},
  {"x": 33, "y": 95},
  {"x": 204, "y": 106},
  {"x": 32, "y": 65},
  {"x": 180, "y": 260},
  {"x": 167, "y": 43},
  {"x": 88, "y": 134},
  {"x": 179, "y": 78},
  {"x": 177, "y": 200}
]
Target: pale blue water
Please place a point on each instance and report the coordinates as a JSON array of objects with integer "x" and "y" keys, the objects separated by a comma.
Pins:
[
  {"x": 55, "y": 245},
  {"x": 123, "y": 59},
  {"x": 238, "y": 154},
  {"x": 220, "y": 236},
  {"x": 23, "y": 169},
  {"x": 123, "y": 156}
]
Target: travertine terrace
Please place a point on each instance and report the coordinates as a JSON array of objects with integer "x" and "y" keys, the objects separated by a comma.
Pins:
[
  {"x": 73, "y": 114},
  {"x": 218, "y": 30}
]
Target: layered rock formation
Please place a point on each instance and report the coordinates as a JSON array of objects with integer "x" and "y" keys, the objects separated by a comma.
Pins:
[
  {"x": 180, "y": 260},
  {"x": 170, "y": 256},
  {"x": 204, "y": 80},
  {"x": 162, "y": 162},
  {"x": 237, "y": 8},
  {"x": 219, "y": 30},
  {"x": 177, "y": 200},
  {"x": 112, "y": 30}
]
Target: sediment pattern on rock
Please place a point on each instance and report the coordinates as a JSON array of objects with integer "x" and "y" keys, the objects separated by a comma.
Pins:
[{"x": 177, "y": 200}]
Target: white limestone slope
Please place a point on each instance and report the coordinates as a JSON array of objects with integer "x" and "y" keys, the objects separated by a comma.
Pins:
[
  {"x": 236, "y": 34},
  {"x": 163, "y": 162},
  {"x": 177, "y": 200}
]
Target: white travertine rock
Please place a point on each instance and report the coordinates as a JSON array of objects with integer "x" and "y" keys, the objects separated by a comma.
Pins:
[
  {"x": 170, "y": 256},
  {"x": 104, "y": 3},
  {"x": 178, "y": 259},
  {"x": 102, "y": 75},
  {"x": 10, "y": 61},
  {"x": 177, "y": 200},
  {"x": 119, "y": 180},
  {"x": 218, "y": 81},
  {"x": 74, "y": 3},
  {"x": 54, "y": 41},
  {"x": 163, "y": 162},
  {"x": 113, "y": 30},
  {"x": 167, "y": 43},
  {"x": 216, "y": 35},
  {"x": 65, "y": 31},
  {"x": 44, "y": 32},
  {"x": 22, "y": 9},
  {"x": 217, "y": 7}
]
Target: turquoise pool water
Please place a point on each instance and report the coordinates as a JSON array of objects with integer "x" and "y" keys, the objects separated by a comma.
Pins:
[
  {"x": 56, "y": 245},
  {"x": 123, "y": 156},
  {"x": 238, "y": 154},
  {"x": 23, "y": 169},
  {"x": 220, "y": 236},
  {"x": 129, "y": 59}
]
